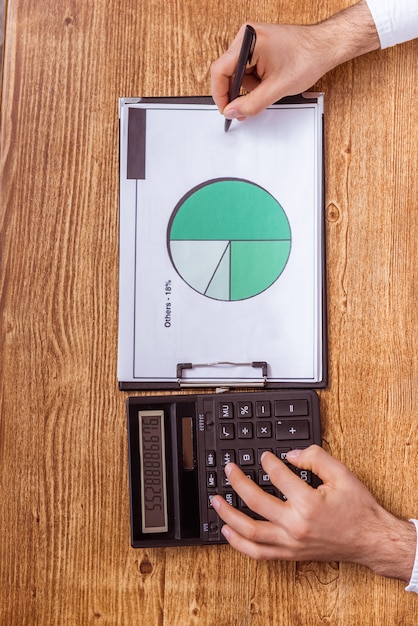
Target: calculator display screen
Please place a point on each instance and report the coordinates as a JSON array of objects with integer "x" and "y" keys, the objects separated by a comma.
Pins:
[{"x": 153, "y": 471}]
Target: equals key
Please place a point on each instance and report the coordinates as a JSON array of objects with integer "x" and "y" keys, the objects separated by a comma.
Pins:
[{"x": 290, "y": 408}]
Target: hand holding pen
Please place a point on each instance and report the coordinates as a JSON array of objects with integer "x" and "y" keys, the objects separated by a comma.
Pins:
[{"x": 289, "y": 59}]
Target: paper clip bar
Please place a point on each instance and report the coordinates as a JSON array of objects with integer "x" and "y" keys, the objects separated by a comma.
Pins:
[{"x": 254, "y": 382}]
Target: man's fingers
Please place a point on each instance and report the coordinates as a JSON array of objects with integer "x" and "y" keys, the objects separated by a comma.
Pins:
[
  {"x": 250, "y": 548},
  {"x": 254, "y": 497},
  {"x": 220, "y": 81},
  {"x": 253, "y": 530},
  {"x": 262, "y": 96},
  {"x": 259, "y": 539},
  {"x": 317, "y": 460},
  {"x": 223, "y": 69},
  {"x": 260, "y": 551},
  {"x": 282, "y": 477}
]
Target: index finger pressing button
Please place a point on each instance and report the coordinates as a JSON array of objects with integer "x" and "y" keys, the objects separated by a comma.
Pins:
[{"x": 227, "y": 456}]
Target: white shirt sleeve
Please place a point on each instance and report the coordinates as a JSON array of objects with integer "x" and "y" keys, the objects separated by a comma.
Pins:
[
  {"x": 396, "y": 20},
  {"x": 413, "y": 583}
]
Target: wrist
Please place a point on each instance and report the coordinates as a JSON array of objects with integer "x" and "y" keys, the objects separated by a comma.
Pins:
[
  {"x": 349, "y": 33},
  {"x": 391, "y": 547}
]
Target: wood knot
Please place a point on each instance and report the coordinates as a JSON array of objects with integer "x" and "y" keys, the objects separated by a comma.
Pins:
[
  {"x": 68, "y": 21},
  {"x": 333, "y": 213},
  {"x": 145, "y": 567}
]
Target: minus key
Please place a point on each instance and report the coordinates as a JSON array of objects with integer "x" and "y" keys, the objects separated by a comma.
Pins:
[{"x": 262, "y": 408}]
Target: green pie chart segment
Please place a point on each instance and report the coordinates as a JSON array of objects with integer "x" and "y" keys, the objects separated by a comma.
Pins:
[{"x": 229, "y": 239}]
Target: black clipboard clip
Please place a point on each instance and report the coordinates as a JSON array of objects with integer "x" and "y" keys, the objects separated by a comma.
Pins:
[{"x": 225, "y": 383}]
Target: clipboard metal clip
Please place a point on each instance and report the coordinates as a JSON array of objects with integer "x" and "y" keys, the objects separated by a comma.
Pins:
[{"x": 225, "y": 382}]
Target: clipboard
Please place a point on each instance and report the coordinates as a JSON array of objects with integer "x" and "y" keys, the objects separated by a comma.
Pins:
[{"x": 222, "y": 246}]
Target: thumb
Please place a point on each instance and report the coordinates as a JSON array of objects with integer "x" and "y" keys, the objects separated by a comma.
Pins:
[{"x": 314, "y": 458}]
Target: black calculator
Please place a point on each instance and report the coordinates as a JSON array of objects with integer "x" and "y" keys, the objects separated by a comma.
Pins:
[{"x": 179, "y": 446}]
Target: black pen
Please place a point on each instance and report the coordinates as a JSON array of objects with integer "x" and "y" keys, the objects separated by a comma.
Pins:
[{"x": 245, "y": 55}]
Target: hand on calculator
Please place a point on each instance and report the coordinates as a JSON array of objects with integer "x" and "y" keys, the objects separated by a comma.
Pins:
[{"x": 338, "y": 521}]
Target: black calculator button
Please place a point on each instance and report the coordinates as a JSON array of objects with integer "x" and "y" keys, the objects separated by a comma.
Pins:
[
  {"x": 263, "y": 478},
  {"x": 292, "y": 429},
  {"x": 262, "y": 408},
  {"x": 246, "y": 457},
  {"x": 264, "y": 429},
  {"x": 210, "y": 498},
  {"x": 303, "y": 474},
  {"x": 209, "y": 422},
  {"x": 230, "y": 497},
  {"x": 260, "y": 453},
  {"x": 249, "y": 473},
  {"x": 226, "y": 431},
  {"x": 289, "y": 408},
  {"x": 245, "y": 430},
  {"x": 211, "y": 480},
  {"x": 225, "y": 410},
  {"x": 227, "y": 456},
  {"x": 244, "y": 409},
  {"x": 210, "y": 458},
  {"x": 281, "y": 454},
  {"x": 225, "y": 480}
]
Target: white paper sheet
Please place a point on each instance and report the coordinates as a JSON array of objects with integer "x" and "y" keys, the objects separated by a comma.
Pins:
[{"x": 177, "y": 294}]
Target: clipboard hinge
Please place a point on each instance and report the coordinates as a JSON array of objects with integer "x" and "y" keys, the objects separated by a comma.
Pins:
[{"x": 225, "y": 382}]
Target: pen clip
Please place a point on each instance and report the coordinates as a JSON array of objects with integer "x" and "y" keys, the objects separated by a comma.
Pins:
[
  {"x": 253, "y": 42},
  {"x": 247, "y": 47}
]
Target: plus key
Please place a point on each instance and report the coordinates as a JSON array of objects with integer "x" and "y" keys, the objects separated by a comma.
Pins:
[{"x": 292, "y": 429}]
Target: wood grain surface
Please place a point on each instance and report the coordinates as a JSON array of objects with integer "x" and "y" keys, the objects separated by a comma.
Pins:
[{"x": 65, "y": 555}]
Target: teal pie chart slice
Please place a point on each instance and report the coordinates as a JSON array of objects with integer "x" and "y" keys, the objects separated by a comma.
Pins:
[{"x": 229, "y": 239}]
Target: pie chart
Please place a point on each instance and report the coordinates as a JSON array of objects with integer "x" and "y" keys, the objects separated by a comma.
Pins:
[{"x": 229, "y": 239}]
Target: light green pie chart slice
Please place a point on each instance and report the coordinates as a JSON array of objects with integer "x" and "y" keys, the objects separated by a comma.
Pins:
[{"x": 229, "y": 239}]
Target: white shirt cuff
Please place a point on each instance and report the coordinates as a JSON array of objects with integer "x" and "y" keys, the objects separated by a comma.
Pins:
[
  {"x": 396, "y": 20},
  {"x": 413, "y": 583}
]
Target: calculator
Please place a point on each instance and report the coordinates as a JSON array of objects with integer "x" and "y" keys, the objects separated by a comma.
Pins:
[{"x": 179, "y": 446}]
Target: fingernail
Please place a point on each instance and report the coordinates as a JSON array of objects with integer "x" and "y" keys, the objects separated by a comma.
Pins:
[
  {"x": 216, "y": 504},
  {"x": 225, "y": 532},
  {"x": 293, "y": 454},
  {"x": 231, "y": 115},
  {"x": 228, "y": 469}
]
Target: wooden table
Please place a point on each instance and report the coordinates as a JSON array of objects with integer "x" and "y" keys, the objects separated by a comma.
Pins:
[{"x": 65, "y": 551}]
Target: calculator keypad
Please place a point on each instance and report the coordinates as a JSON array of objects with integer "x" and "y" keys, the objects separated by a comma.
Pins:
[{"x": 245, "y": 426}]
